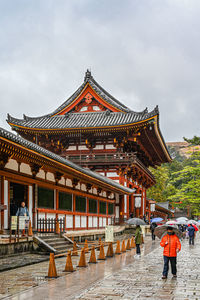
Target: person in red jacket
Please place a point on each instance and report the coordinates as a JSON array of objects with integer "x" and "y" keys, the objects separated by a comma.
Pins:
[{"x": 172, "y": 246}]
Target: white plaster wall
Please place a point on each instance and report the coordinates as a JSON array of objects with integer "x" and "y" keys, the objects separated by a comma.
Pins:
[
  {"x": 95, "y": 191},
  {"x": 104, "y": 222},
  {"x": 83, "y": 187},
  {"x": 111, "y": 174},
  {"x": 117, "y": 198},
  {"x": 109, "y": 221},
  {"x": 125, "y": 203},
  {"x": 77, "y": 221},
  {"x": 82, "y": 147},
  {"x": 25, "y": 168},
  {"x": 99, "y": 147},
  {"x": 69, "y": 221},
  {"x": 50, "y": 177},
  {"x": 12, "y": 164},
  {"x": 100, "y": 222},
  {"x": 69, "y": 182},
  {"x": 83, "y": 221},
  {"x": 117, "y": 211},
  {"x": 62, "y": 181},
  {"x": 41, "y": 174},
  {"x": 95, "y": 222},
  {"x": 6, "y": 203},
  {"x": 110, "y": 147},
  {"x": 61, "y": 216},
  {"x": 71, "y": 148},
  {"x": 90, "y": 222},
  {"x": 51, "y": 215},
  {"x": 41, "y": 215}
]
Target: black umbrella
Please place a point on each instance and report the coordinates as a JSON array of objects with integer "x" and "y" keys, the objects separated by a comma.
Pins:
[{"x": 160, "y": 231}]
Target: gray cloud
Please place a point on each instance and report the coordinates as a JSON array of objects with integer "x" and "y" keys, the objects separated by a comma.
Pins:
[{"x": 143, "y": 52}]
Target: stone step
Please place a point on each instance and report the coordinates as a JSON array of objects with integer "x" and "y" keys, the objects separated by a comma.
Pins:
[{"x": 62, "y": 247}]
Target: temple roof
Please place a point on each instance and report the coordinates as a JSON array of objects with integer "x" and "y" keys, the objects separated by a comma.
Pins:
[
  {"x": 83, "y": 120},
  {"x": 50, "y": 155},
  {"x": 98, "y": 89},
  {"x": 116, "y": 113}
]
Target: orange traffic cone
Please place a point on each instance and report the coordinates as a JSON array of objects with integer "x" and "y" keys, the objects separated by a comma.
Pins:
[
  {"x": 123, "y": 246},
  {"x": 99, "y": 241},
  {"x": 86, "y": 247},
  {"x": 30, "y": 231},
  {"x": 118, "y": 251},
  {"x": 101, "y": 253},
  {"x": 93, "y": 256},
  {"x": 52, "y": 273},
  {"x": 133, "y": 242},
  {"x": 110, "y": 250},
  {"x": 69, "y": 265},
  {"x": 57, "y": 227},
  {"x": 75, "y": 251},
  {"x": 72, "y": 238},
  {"x": 82, "y": 261},
  {"x": 128, "y": 246}
]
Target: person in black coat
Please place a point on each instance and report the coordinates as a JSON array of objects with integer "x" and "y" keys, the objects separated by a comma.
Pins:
[
  {"x": 152, "y": 227},
  {"x": 191, "y": 231}
]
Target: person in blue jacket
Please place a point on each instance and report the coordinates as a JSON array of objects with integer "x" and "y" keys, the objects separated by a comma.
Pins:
[
  {"x": 191, "y": 231},
  {"x": 22, "y": 210}
]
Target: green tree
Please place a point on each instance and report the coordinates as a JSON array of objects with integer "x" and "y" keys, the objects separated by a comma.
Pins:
[
  {"x": 194, "y": 141},
  {"x": 158, "y": 192}
]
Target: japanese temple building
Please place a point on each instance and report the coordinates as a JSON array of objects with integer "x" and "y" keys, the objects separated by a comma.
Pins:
[
  {"x": 53, "y": 187},
  {"x": 97, "y": 132}
]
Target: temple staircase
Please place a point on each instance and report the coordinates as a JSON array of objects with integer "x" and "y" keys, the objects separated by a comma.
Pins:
[{"x": 52, "y": 242}]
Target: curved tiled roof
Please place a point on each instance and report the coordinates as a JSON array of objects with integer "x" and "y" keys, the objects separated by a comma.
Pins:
[
  {"x": 98, "y": 89},
  {"x": 48, "y": 154},
  {"x": 83, "y": 120}
]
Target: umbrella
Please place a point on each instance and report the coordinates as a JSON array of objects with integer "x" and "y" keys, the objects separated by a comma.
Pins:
[
  {"x": 171, "y": 223},
  {"x": 182, "y": 222},
  {"x": 162, "y": 230},
  {"x": 182, "y": 218},
  {"x": 136, "y": 221},
  {"x": 156, "y": 220},
  {"x": 193, "y": 222}
]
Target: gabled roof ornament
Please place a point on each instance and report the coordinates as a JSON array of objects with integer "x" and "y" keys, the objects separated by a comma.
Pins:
[{"x": 88, "y": 75}]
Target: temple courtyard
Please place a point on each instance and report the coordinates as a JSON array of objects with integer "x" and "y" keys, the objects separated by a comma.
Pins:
[{"x": 120, "y": 277}]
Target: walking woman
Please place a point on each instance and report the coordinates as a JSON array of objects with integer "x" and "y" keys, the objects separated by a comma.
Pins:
[{"x": 138, "y": 239}]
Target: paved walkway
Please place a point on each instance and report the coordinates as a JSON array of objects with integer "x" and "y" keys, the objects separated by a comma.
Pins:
[{"x": 124, "y": 277}]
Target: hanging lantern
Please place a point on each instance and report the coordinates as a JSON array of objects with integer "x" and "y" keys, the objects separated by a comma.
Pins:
[{"x": 138, "y": 202}]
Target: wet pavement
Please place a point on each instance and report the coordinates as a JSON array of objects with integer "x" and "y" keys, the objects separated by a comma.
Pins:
[
  {"x": 121, "y": 277},
  {"x": 21, "y": 260}
]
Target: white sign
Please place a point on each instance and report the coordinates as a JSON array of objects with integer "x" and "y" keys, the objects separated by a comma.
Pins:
[
  {"x": 14, "y": 223},
  {"x": 109, "y": 233},
  {"x": 22, "y": 222}
]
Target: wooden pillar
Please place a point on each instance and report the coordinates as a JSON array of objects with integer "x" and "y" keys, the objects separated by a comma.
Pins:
[
  {"x": 98, "y": 213},
  {"x": 87, "y": 211},
  {"x": 2, "y": 201},
  {"x": 74, "y": 210}
]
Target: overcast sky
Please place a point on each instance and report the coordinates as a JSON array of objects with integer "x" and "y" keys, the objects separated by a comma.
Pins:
[{"x": 144, "y": 52}]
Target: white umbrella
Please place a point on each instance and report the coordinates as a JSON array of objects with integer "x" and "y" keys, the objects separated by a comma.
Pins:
[
  {"x": 193, "y": 222},
  {"x": 182, "y": 222},
  {"x": 182, "y": 218},
  {"x": 136, "y": 221},
  {"x": 172, "y": 222}
]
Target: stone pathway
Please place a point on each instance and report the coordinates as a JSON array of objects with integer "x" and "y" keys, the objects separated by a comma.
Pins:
[
  {"x": 121, "y": 277},
  {"x": 142, "y": 279}
]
